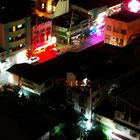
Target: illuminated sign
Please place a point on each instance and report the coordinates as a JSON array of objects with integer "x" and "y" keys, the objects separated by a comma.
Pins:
[{"x": 134, "y": 6}]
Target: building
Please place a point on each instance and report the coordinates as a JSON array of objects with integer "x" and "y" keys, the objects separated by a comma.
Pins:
[
  {"x": 120, "y": 112},
  {"x": 97, "y": 11},
  {"x": 15, "y": 31},
  {"x": 41, "y": 32},
  {"x": 51, "y": 8},
  {"x": 39, "y": 78},
  {"x": 127, "y": 111},
  {"x": 121, "y": 28},
  {"x": 70, "y": 27}
]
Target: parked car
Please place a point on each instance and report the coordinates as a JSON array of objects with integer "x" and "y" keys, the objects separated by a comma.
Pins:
[{"x": 33, "y": 60}]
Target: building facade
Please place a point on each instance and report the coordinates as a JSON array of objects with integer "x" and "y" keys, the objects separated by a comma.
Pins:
[
  {"x": 41, "y": 33},
  {"x": 121, "y": 28},
  {"x": 15, "y": 35},
  {"x": 97, "y": 13},
  {"x": 51, "y": 8},
  {"x": 70, "y": 27}
]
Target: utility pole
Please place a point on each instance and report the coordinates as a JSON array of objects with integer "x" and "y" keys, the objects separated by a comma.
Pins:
[{"x": 71, "y": 23}]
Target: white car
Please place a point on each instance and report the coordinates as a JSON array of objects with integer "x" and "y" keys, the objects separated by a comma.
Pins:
[{"x": 33, "y": 59}]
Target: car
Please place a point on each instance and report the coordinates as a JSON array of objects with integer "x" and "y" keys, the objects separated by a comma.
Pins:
[{"x": 33, "y": 60}]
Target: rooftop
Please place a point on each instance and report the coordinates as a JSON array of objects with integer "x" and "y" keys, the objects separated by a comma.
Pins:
[
  {"x": 105, "y": 109},
  {"x": 132, "y": 96},
  {"x": 59, "y": 66},
  {"x": 82, "y": 64},
  {"x": 125, "y": 16},
  {"x": 9, "y": 11},
  {"x": 44, "y": 71},
  {"x": 91, "y": 4},
  {"x": 38, "y": 20},
  {"x": 65, "y": 20}
]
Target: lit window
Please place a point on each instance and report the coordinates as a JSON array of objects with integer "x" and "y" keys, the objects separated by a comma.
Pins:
[
  {"x": 21, "y": 45},
  {"x": 19, "y": 26},
  {"x": 10, "y": 38},
  {"x": 49, "y": 8},
  {"x": 43, "y": 6},
  {"x": 14, "y": 28}
]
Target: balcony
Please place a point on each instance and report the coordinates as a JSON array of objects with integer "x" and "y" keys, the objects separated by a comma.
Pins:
[
  {"x": 125, "y": 119},
  {"x": 17, "y": 32},
  {"x": 17, "y": 42}
]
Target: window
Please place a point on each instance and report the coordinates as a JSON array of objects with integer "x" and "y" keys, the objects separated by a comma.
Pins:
[
  {"x": 19, "y": 26},
  {"x": 42, "y": 37},
  {"x": 10, "y": 38},
  {"x": 121, "y": 41},
  {"x": 115, "y": 29},
  {"x": 133, "y": 133},
  {"x": 123, "y": 31},
  {"x": 108, "y": 27},
  {"x": 14, "y": 28},
  {"x": 42, "y": 5},
  {"x": 20, "y": 45}
]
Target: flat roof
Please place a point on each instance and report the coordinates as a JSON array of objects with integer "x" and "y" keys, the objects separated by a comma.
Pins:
[
  {"x": 42, "y": 72},
  {"x": 91, "y": 4},
  {"x": 59, "y": 66},
  {"x": 65, "y": 20},
  {"x": 9, "y": 11},
  {"x": 132, "y": 96},
  {"x": 125, "y": 16},
  {"x": 35, "y": 19}
]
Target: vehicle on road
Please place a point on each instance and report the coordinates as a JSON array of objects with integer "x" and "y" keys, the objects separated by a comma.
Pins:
[{"x": 33, "y": 60}]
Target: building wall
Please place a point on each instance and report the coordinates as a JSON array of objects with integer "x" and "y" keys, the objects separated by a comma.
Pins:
[
  {"x": 64, "y": 35},
  {"x": 41, "y": 34},
  {"x": 14, "y": 35},
  {"x": 61, "y": 33},
  {"x": 31, "y": 86},
  {"x": 113, "y": 127},
  {"x": 119, "y": 33},
  {"x": 133, "y": 29},
  {"x": 62, "y": 7},
  {"x": 2, "y": 56},
  {"x": 14, "y": 79},
  {"x": 28, "y": 32},
  {"x": 96, "y": 14},
  {"x": 2, "y": 35},
  {"x": 28, "y": 84},
  {"x": 51, "y": 9}
]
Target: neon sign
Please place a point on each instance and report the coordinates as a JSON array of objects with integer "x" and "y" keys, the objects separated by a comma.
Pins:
[{"x": 134, "y": 6}]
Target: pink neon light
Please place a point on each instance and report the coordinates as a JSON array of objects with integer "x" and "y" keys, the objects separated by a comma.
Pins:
[{"x": 134, "y": 6}]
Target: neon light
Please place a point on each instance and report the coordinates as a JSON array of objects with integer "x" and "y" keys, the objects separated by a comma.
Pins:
[
  {"x": 54, "y": 40},
  {"x": 134, "y": 6}
]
